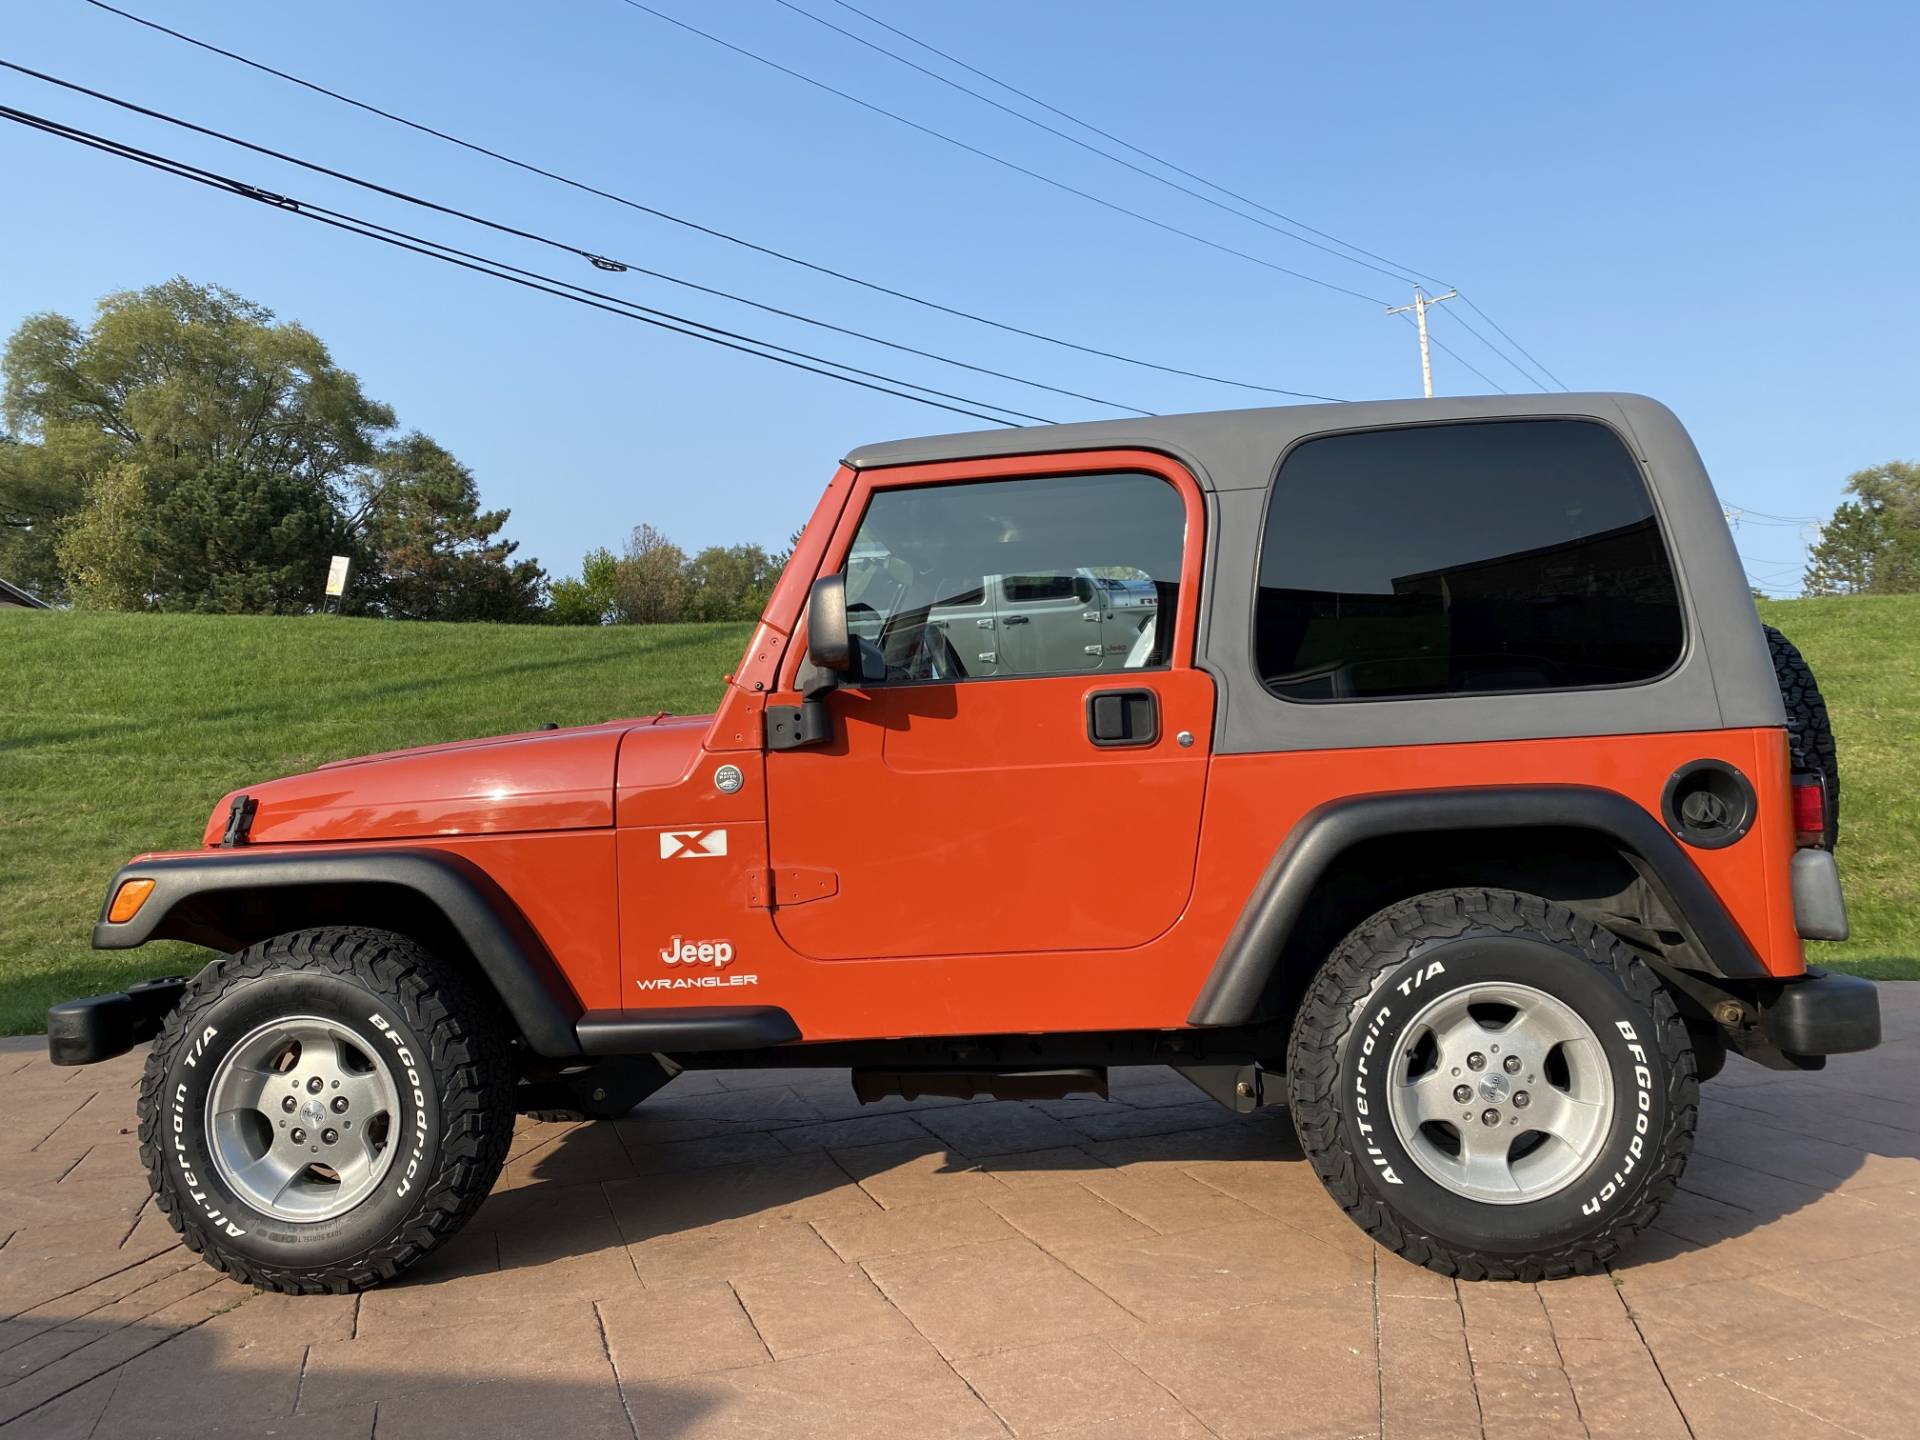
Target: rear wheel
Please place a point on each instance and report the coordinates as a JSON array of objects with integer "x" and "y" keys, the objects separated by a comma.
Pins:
[
  {"x": 1491, "y": 1086},
  {"x": 324, "y": 1108}
]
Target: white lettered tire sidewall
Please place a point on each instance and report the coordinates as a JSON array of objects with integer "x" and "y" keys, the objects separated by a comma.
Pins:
[
  {"x": 207, "y": 1204},
  {"x": 1626, "y": 1158}
]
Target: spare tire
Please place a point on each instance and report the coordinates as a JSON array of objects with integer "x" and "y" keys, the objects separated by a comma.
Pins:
[{"x": 1809, "y": 733}]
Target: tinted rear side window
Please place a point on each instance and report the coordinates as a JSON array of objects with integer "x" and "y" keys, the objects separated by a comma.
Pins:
[{"x": 1462, "y": 559}]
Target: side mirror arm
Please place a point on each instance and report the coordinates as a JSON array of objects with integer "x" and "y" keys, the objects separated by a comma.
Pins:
[{"x": 791, "y": 726}]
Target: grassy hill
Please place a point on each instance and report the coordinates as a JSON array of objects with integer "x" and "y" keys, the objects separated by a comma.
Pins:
[{"x": 118, "y": 733}]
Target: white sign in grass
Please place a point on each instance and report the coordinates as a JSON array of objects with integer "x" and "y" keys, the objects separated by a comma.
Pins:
[{"x": 337, "y": 576}]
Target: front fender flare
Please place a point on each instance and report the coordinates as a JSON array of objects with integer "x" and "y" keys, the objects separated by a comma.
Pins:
[
  {"x": 1239, "y": 977},
  {"x": 227, "y": 899}
]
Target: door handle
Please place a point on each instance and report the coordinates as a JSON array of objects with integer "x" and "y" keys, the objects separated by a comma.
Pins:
[
  {"x": 1118, "y": 718},
  {"x": 1016, "y": 620}
]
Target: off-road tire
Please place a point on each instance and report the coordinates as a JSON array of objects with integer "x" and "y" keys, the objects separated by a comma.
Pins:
[
  {"x": 1344, "y": 1019},
  {"x": 454, "y": 1135},
  {"x": 1809, "y": 732}
]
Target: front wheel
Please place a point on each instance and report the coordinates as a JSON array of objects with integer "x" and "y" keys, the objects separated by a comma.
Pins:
[
  {"x": 1491, "y": 1086},
  {"x": 325, "y": 1107}
]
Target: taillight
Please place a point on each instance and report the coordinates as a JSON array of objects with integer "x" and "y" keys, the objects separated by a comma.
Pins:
[{"x": 1809, "y": 810}]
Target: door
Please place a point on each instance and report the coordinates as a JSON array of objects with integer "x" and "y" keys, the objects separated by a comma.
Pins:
[{"x": 1029, "y": 803}]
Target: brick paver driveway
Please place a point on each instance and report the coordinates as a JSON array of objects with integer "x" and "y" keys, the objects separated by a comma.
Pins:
[{"x": 755, "y": 1254}]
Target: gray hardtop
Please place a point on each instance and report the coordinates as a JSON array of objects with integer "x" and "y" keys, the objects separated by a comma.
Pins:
[
  {"x": 1239, "y": 449},
  {"x": 1725, "y": 676}
]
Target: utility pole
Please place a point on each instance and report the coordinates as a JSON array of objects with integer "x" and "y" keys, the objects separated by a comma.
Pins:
[{"x": 1421, "y": 300}]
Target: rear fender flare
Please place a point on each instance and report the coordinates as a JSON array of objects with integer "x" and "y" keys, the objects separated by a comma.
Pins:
[
  {"x": 1285, "y": 891},
  {"x": 228, "y": 899}
]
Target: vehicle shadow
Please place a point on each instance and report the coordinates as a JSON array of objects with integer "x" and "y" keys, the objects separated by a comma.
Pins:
[
  {"x": 1774, "y": 1153},
  {"x": 1791, "y": 1166}
]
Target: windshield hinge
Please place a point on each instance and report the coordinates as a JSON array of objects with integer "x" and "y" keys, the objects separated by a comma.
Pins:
[{"x": 239, "y": 821}]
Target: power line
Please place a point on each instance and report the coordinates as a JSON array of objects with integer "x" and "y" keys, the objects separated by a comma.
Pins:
[
  {"x": 1013, "y": 165},
  {"x": 1511, "y": 341},
  {"x": 656, "y": 213},
  {"x": 1160, "y": 160},
  {"x": 1396, "y": 267},
  {"x": 1529, "y": 376},
  {"x": 1447, "y": 349},
  {"x": 600, "y": 261},
  {"x": 500, "y": 270},
  {"x": 1076, "y": 140}
]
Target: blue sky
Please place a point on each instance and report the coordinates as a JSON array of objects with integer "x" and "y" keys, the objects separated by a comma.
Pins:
[{"x": 1714, "y": 204}]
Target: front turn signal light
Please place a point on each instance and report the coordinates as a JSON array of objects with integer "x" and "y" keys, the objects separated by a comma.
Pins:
[{"x": 128, "y": 899}]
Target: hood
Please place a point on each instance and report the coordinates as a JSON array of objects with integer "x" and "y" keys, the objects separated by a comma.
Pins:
[{"x": 541, "y": 780}]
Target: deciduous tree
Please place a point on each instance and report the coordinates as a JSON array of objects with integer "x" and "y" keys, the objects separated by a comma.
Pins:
[
  {"x": 591, "y": 599},
  {"x": 729, "y": 582},
  {"x": 1872, "y": 543},
  {"x": 36, "y": 496},
  {"x": 652, "y": 583},
  {"x": 188, "y": 451}
]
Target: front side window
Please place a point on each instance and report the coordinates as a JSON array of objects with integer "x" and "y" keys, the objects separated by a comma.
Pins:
[
  {"x": 1045, "y": 576},
  {"x": 1473, "y": 558}
]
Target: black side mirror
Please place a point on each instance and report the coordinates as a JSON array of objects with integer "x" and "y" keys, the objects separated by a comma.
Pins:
[
  {"x": 834, "y": 654},
  {"x": 829, "y": 645}
]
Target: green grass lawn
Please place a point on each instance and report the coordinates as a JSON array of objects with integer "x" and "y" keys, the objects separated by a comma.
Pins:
[
  {"x": 119, "y": 732},
  {"x": 1865, "y": 651}
]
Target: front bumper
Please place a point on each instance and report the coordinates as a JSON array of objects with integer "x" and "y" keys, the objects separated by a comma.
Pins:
[
  {"x": 1824, "y": 1014},
  {"x": 85, "y": 1032}
]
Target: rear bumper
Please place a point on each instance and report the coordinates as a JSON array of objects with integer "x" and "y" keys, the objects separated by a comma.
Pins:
[
  {"x": 85, "y": 1032},
  {"x": 1824, "y": 1014}
]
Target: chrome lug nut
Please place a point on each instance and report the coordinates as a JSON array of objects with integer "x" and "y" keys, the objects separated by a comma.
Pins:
[
  {"x": 1521, "y": 1099},
  {"x": 1463, "y": 1093},
  {"x": 315, "y": 1085},
  {"x": 1476, "y": 1061},
  {"x": 1489, "y": 1116},
  {"x": 339, "y": 1104},
  {"x": 329, "y": 1137},
  {"x": 298, "y": 1136},
  {"x": 287, "y": 1104},
  {"x": 1511, "y": 1064}
]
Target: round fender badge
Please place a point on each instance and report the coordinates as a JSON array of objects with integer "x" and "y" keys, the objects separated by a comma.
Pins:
[{"x": 728, "y": 779}]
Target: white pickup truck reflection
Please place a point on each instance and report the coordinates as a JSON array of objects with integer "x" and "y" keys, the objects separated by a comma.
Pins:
[{"x": 1047, "y": 623}]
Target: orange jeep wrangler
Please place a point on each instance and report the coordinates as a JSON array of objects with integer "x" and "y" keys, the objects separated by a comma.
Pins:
[{"x": 1420, "y": 766}]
